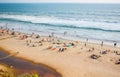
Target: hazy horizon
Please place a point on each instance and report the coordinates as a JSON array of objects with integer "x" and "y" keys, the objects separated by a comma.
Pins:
[{"x": 60, "y": 1}]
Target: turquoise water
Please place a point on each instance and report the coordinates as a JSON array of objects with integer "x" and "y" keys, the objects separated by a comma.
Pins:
[{"x": 93, "y": 21}]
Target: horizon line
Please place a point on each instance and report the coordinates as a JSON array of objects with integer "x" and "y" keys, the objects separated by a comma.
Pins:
[{"x": 64, "y": 2}]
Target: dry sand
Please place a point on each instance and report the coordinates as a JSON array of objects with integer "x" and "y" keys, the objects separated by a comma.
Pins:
[{"x": 73, "y": 62}]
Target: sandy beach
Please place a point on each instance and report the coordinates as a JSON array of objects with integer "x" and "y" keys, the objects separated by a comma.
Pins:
[{"x": 69, "y": 58}]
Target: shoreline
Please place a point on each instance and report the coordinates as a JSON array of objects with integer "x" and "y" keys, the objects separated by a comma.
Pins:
[
  {"x": 95, "y": 41},
  {"x": 73, "y": 62},
  {"x": 82, "y": 39},
  {"x": 69, "y": 37}
]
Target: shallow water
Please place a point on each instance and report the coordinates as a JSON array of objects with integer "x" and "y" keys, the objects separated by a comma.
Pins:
[{"x": 23, "y": 66}]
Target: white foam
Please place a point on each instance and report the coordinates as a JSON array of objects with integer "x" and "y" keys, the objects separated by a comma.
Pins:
[{"x": 59, "y": 21}]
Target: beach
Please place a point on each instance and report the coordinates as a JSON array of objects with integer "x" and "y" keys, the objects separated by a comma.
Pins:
[{"x": 69, "y": 58}]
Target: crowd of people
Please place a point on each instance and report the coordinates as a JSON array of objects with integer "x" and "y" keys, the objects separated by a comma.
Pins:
[{"x": 58, "y": 44}]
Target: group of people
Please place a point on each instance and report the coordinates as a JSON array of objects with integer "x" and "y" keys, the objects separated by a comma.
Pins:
[{"x": 7, "y": 31}]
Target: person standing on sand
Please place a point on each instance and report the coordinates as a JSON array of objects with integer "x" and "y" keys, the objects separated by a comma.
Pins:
[
  {"x": 85, "y": 44},
  {"x": 102, "y": 43}
]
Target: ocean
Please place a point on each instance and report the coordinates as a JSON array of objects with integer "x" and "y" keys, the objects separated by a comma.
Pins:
[{"x": 78, "y": 21}]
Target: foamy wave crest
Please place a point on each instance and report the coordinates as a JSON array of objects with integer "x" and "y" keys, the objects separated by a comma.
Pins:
[{"x": 64, "y": 22}]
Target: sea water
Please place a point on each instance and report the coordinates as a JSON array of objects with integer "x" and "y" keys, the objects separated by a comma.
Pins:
[{"x": 79, "y": 21}]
